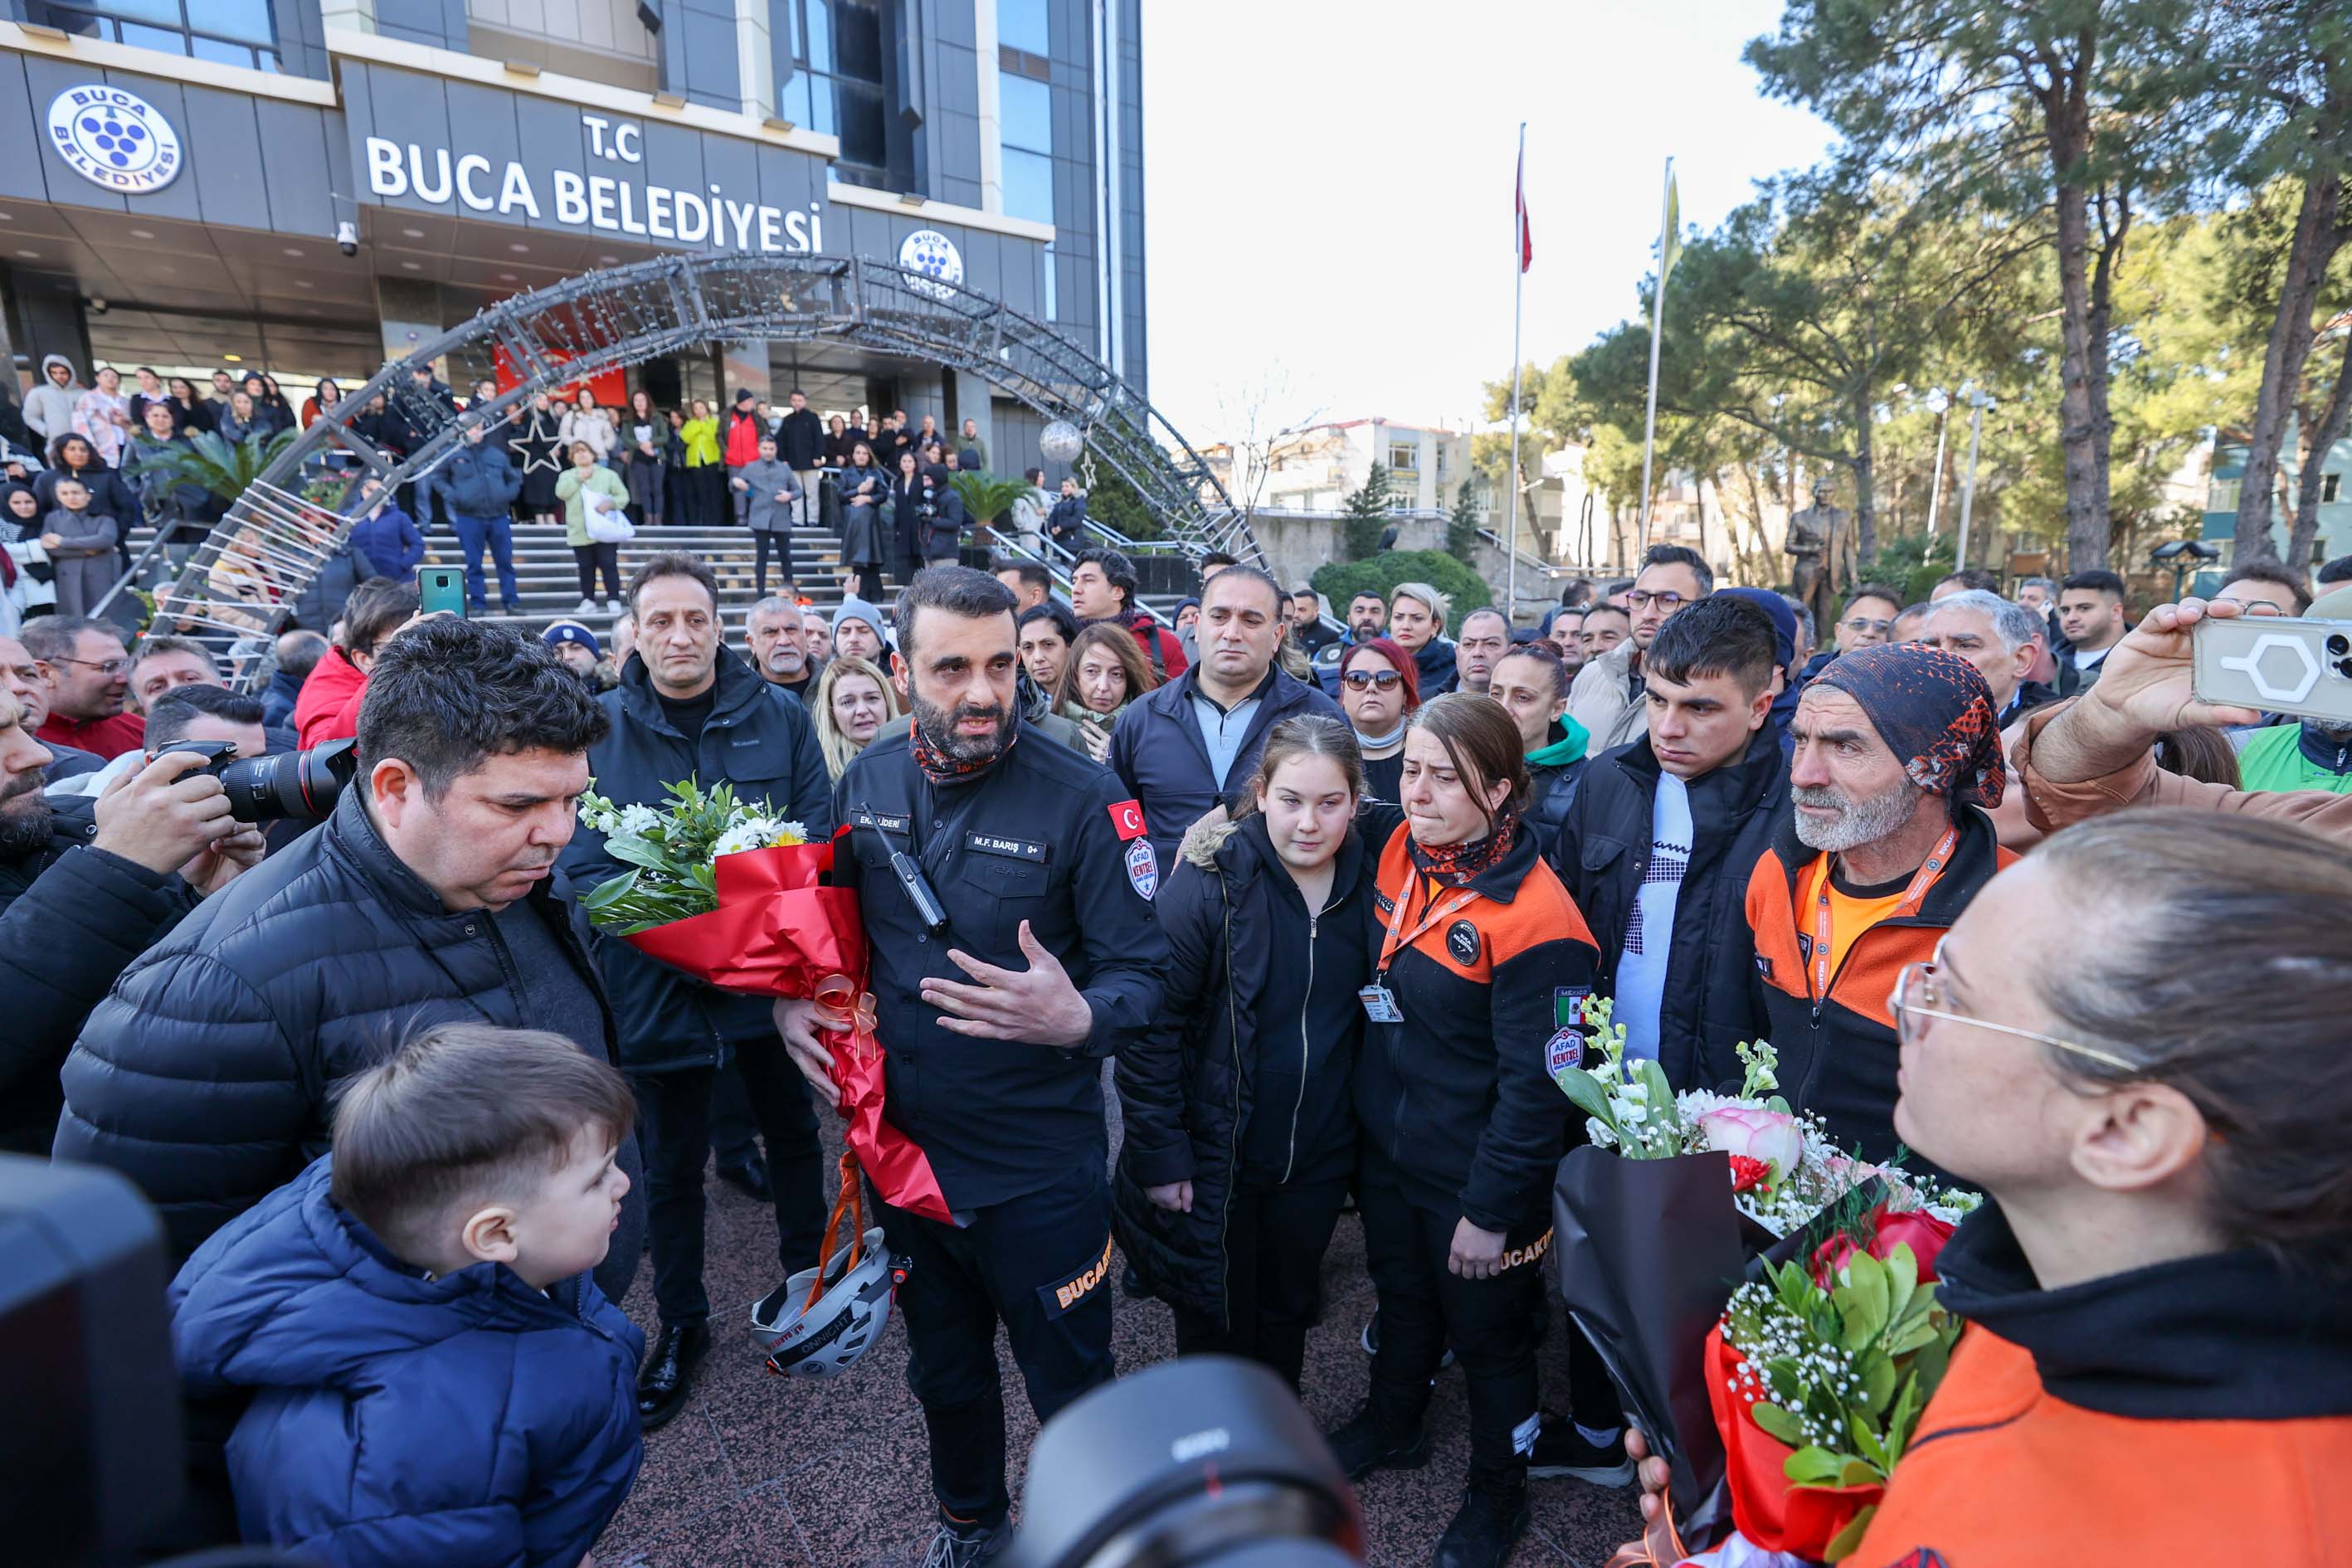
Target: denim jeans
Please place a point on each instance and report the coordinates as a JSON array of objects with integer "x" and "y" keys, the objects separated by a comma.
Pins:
[{"x": 473, "y": 533}]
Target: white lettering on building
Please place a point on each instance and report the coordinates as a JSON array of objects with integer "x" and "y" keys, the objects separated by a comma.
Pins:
[{"x": 602, "y": 202}]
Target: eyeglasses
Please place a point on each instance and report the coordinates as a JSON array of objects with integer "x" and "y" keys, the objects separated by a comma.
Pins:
[
  {"x": 108, "y": 668},
  {"x": 1867, "y": 624},
  {"x": 1917, "y": 996},
  {"x": 2250, "y": 606},
  {"x": 1642, "y": 599},
  {"x": 1365, "y": 680}
]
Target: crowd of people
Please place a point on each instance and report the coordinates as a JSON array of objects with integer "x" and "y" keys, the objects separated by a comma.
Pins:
[{"x": 1330, "y": 901}]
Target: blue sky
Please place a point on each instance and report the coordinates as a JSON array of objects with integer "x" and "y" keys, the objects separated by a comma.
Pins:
[{"x": 1327, "y": 187}]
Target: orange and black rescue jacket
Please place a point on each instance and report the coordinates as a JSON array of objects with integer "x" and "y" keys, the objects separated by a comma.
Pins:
[
  {"x": 1458, "y": 1099},
  {"x": 2196, "y": 1412},
  {"x": 1838, "y": 1054}
]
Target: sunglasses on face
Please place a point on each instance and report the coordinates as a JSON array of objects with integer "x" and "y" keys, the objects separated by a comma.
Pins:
[
  {"x": 1867, "y": 624},
  {"x": 1366, "y": 680}
]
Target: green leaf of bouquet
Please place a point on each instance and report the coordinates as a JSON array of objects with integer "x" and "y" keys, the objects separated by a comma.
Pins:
[
  {"x": 1902, "y": 1279},
  {"x": 630, "y": 850},
  {"x": 1931, "y": 1361},
  {"x": 1662, "y": 1095},
  {"x": 1779, "y": 1104},
  {"x": 1865, "y": 1434},
  {"x": 1813, "y": 1466},
  {"x": 1878, "y": 1380},
  {"x": 608, "y": 892},
  {"x": 1901, "y": 1420},
  {"x": 1860, "y": 1473},
  {"x": 1777, "y": 1423},
  {"x": 1584, "y": 1091},
  {"x": 1847, "y": 1542}
]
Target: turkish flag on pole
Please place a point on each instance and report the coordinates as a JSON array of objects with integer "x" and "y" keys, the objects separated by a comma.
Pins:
[{"x": 1519, "y": 200}]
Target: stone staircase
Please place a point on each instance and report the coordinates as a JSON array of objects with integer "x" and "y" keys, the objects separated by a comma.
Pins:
[{"x": 551, "y": 587}]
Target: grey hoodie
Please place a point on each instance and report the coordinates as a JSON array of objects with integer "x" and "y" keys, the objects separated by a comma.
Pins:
[{"x": 48, "y": 407}]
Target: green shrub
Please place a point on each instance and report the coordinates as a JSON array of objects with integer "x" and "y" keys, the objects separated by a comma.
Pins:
[{"x": 1342, "y": 581}]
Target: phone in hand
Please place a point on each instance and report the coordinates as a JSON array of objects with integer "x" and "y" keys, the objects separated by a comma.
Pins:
[
  {"x": 441, "y": 591},
  {"x": 2276, "y": 663}
]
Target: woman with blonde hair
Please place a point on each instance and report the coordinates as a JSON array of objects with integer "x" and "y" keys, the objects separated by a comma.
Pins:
[
  {"x": 1104, "y": 673},
  {"x": 852, "y": 702}
]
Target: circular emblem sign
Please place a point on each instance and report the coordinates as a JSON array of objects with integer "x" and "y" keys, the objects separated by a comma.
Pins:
[
  {"x": 114, "y": 138},
  {"x": 933, "y": 253}
]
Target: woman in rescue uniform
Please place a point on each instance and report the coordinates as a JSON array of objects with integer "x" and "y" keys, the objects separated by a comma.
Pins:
[
  {"x": 1480, "y": 979},
  {"x": 2133, "y": 1042}
]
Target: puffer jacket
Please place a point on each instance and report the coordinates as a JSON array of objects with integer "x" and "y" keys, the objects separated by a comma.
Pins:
[
  {"x": 72, "y": 917},
  {"x": 478, "y": 480},
  {"x": 1436, "y": 668},
  {"x": 465, "y": 1421},
  {"x": 767, "y": 752},
  {"x": 205, "y": 1075},
  {"x": 1607, "y": 700},
  {"x": 1603, "y": 854},
  {"x": 1220, "y": 1086}
]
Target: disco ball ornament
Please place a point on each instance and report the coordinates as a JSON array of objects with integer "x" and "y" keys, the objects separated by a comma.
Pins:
[{"x": 1061, "y": 442}]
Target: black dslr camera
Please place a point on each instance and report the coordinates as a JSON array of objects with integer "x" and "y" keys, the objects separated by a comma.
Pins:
[{"x": 302, "y": 785}]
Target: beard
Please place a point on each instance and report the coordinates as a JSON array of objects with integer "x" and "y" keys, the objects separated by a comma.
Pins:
[
  {"x": 24, "y": 818},
  {"x": 1859, "y": 822},
  {"x": 938, "y": 726}
]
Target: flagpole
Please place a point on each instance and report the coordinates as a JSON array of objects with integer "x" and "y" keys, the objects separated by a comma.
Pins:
[
  {"x": 1518, "y": 287},
  {"x": 1657, "y": 311}
]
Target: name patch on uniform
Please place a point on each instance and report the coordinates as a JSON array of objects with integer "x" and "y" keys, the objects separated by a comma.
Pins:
[
  {"x": 1143, "y": 868},
  {"x": 1805, "y": 946},
  {"x": 1763, "y": 966},
  {"x": 1015, "y": 848},
  {"x": 1515, "y": 1256},
  {"x": 1063, "y": 1294},
  {"x": 1127, "y": 817},
  {"x": 1564, "y": 1050},
  {"x": 1462, "y": 941},
  {"x": 864, "y": 818},
  {"x": 1387, "y": 904}
]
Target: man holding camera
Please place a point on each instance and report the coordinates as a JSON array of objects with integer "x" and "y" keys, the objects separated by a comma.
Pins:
[
  {"x": 426, "y": 897},
  {"x": 1008, "y": 914},
  {"x": 85, "y": 886}
]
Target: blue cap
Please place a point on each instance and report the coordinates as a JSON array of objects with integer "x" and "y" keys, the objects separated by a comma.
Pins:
[
  {"x": 1784, "y": 620},
  {"x": 562, "y": 632}
]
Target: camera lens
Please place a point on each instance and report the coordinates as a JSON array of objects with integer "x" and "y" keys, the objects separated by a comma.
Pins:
[
  {"x": 302, "y": 785},
  {"x": 2338, "y": 645}
]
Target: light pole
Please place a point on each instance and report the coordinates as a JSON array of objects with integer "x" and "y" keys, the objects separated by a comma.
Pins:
[
  {"x": 1979, "y": 400},
  {"x": 1943, "y": 407}
]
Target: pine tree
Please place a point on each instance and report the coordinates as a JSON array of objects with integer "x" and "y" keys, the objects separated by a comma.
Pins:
[
  {"x": 1367, "y": 511},
  {"x": 1462, "y": 525}
]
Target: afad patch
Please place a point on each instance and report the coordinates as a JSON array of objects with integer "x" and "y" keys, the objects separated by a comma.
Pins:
[
  {"x": 1564, "y": 1052},
  {"x": 1064, "y": 1295},
  {"x": 1143, "y": 868},
  {"x": 1462, "y": 941},
  {"x": 1127, "y": 818}
]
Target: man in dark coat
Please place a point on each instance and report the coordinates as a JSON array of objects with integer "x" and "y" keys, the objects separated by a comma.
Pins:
[
  {"x": 85, "y": 886},
  {"x": 428, "y": 896},
  {"x": 1187, "y": 746},
  {"x": 1657, "y": 847},
  {"x": 478, "y": 486},
  {"x": 688, "y": 708},
  {"x": 799, "y": 446}
]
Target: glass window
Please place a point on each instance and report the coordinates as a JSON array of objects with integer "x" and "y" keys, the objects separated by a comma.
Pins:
[
  {"x": 2331, "y": 488},
  {"x": 233, "y": 31},
  {"x": 1022, "y": 25},
  {"x": 1028, "y": 185},
  {"x": 1403, "y": 455},
  {"x": 1027, "y": 108},
  {"x": 244, "y": 19},
  {"x": 862, "y": 137},
  {"x": 837, "y": 88}
]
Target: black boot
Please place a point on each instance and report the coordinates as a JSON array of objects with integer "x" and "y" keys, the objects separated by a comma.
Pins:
[
  {"x": 1379, "y": 1440},
  {"x": 749, "y": 1178},
  {"x": 1493, "y": 1515},
  {"x": 668, "y": 1374}
]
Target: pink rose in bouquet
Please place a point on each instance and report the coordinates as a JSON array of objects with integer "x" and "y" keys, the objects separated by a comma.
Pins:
[{"x": 1771, "y": 1136}]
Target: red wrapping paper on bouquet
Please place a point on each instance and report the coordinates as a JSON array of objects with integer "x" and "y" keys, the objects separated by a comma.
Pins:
[
  {"x": 779, "y": 931},
  {"x": 1772, "y": 1510}
]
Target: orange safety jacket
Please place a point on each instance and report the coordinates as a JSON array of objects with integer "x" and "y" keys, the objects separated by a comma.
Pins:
[{"x": 1838, "y": 1055}]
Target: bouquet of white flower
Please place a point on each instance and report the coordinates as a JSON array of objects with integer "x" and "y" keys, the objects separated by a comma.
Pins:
[{"x": 674, "y": 853}]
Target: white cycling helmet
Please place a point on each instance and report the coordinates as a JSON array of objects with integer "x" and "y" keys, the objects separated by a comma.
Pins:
[{"x": 826, "y": 1319}]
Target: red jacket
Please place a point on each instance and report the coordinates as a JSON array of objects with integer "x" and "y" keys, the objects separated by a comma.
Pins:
[
  {"x": 742, "y": 443},
  {"x": 328, "y": 706},
  {"x": 1166, "y": 654}
]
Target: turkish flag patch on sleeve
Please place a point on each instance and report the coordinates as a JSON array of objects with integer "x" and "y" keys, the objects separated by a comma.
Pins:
[{"x": 1127, "y": 818}]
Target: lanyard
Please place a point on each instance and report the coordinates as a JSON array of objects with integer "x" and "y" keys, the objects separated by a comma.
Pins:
[
  {"x": 1912, "y": 896},
  {"x": 1392, "y": 942}
]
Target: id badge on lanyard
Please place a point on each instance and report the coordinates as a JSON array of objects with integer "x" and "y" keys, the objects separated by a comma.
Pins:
[
  {"x": 1823, "y": 927},
  {"x": 1380, "y": 1002}
]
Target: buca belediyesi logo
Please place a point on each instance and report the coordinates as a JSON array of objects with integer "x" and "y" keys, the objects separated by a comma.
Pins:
[
  {"x": 114, "y": 138},
  {"x": 933, "y": 253}
]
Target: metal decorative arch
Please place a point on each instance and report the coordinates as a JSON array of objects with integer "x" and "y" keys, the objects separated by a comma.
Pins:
[{"x": 238, "y": 585}]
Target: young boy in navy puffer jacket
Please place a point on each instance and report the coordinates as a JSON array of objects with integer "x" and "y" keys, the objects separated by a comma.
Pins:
[{"x": 434, "y": 1377}]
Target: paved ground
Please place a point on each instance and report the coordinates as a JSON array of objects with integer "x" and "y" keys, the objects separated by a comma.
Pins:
[{"x": 762, "y": 1472}]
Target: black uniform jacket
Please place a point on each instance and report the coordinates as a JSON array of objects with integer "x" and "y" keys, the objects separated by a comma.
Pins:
[{"x": 1043, "y": 835}]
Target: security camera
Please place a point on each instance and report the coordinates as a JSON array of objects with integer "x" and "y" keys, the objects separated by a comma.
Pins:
[
  {"x": 97, "y": 306},
  {"x": 347, "y": 237}
]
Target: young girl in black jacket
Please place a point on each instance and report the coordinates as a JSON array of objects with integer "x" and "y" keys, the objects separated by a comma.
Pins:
[{"x": 1240, "y": 1137}]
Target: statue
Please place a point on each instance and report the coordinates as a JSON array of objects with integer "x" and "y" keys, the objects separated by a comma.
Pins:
[{"x": 1813, "y": 536}]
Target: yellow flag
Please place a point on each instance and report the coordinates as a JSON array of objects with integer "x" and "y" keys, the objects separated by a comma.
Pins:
[{"x": 1670, "y": 241}]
